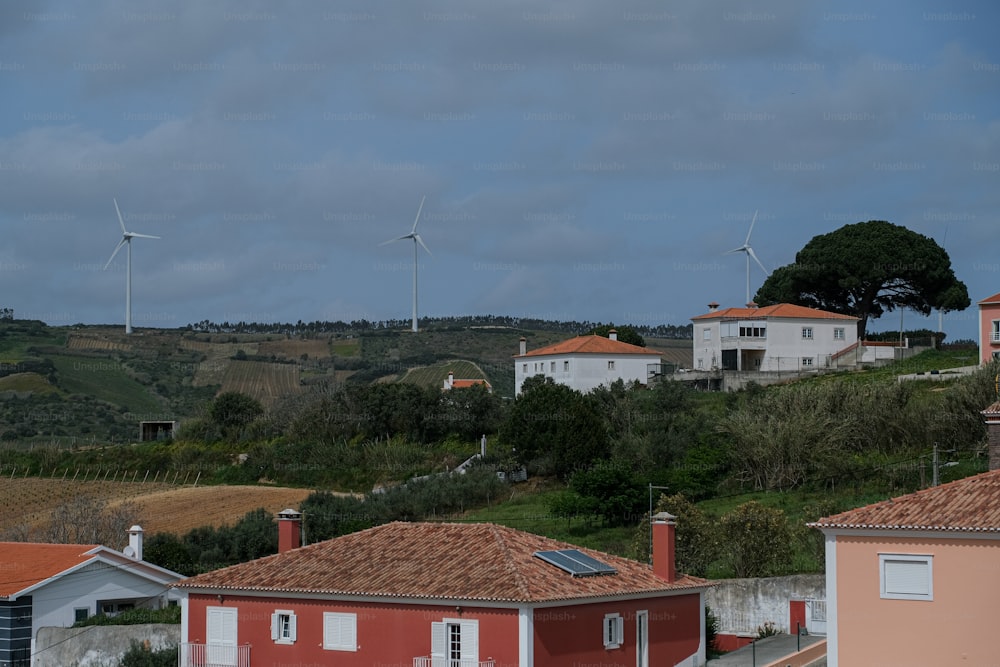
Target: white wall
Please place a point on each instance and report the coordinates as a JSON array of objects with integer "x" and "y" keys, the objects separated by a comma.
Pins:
[
  {"x": 785, "y": 347},
  {"x": 586, "y": 371}
]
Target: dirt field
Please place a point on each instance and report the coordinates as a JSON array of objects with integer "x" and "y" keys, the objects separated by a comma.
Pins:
[
  {"x": 316, "y": 348},
  {"x": 163, "y": 507}
]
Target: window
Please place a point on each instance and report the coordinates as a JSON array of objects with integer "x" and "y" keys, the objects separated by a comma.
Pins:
[
  {"x": 995, "y": 332},
  {"x": 340, "y": 631},
  {"x": 611, "y": 364},
  {"x": 614, "y": 630},
  {"x": 81, "y": 614},
  {"x": 838, "y": 333},
  {"x": 455, "y": 642},
  {"x": 525, "y": 368},
  {"x": 807, "y": 361},
  {"x": 906, "y": 577},
  {"x": 552, "y": 367},
  {"x": 566, "y": 367},
  {"x": 283, "y": 627},
  {"x": 807, "y": 333},
  {"x": 706, "y": 334}
]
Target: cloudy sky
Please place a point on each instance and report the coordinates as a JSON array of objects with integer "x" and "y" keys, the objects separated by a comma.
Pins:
[{"x": 580, "y": 159}]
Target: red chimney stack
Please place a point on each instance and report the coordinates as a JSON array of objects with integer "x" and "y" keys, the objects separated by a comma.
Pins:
[
  {"x": 991, "y": 416},
  {"x": 664, "y": 565},
  {"x": 289, "y": 530}
]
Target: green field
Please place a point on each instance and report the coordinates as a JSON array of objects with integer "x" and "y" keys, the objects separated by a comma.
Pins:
[
  {"x": 434, "y": 376},
  {"x": 26, "y": 382},
  {"x": 104, "y": 379}
]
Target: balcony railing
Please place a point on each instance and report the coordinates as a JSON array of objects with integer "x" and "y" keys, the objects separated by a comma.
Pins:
[
  {"x": 213, "y": 655},
  {"x": 429, "y": 661},
  {"x": 995, "y": 336}
]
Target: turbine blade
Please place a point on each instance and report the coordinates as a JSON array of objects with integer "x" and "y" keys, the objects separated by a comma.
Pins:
[
  {"x": 398, "y": 238},
  {"x": 417, "y": 219},
  {"x": 120, "y": 221},
  {"x": 747, "y": 242},
  {"x": 117, "y": 248},
  {"x": 754, "y": 255},
  {"x": 143, "y": 236},
  {"x": 416, "y": 237},
  {"x": 735, "y": 250}
]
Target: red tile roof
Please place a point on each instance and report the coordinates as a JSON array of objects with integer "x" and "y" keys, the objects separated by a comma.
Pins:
[
  {"x": 784, "y": 310},
  {"x": 475, "y": 561},
  {"x": 25, "y": 564},
  {"x": 460, "y": 384},
  {"x": 990, "y": 299},
  {"x": 970, "y": 504},
  {"x": 592, "y": 344}
]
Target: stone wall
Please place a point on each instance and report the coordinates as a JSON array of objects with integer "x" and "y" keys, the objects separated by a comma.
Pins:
[
  {"x": 99, "y": 645},
  {"x": 742, "y": 605}
]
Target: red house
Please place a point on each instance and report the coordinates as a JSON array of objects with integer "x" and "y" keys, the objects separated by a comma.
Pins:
[{"x": 444, "y": 594}]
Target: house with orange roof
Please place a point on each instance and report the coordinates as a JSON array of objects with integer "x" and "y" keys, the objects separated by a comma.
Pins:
[
  {"x": 444, "y": 595},
  {"x": 451, "y": 382},
  {"x": 56, "y": 585},
  {"x": 989, "y": 329},
  {"x": 781, "y": 337},
  {"x": 913, "y": 580},
  {"x": 587, "y": 362}
]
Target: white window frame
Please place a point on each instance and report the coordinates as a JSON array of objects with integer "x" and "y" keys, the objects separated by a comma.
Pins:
[
  {"x": 839, "y": 333},
  {"x": 888, "y": 559},
  {"x": 611, "y": 364},
  {"x": 613, "y": 631},
  {"x": 552, "y": 367},
  {"x": 441, "y": 647},
  {"x": 346, "y": 636},
  {"x": 706, "y": 334},
  {"x": 282, "y": 633},
  {"x": 525, "y": 368},
  {"x": 995, "y": 331},
  {"x": 566, "y": 367},
  {"x": 807, "y": 333},
  {"x": 807, "y": 361}
]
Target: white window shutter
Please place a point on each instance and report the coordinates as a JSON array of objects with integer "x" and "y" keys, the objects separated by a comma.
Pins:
[
  {"x": 331, "y": 631},
  {"x": 275, "y": 630},
  {"x": 291, "y": 627},
  {"x": 470, "y": 641},
  {"x": 605, "y": 627},
  {"x": 349, "y": 633},
  {"x": 619, "y": 630},
  {"x": 438, "y": 644},
  {"x": 906, "y": 577}
]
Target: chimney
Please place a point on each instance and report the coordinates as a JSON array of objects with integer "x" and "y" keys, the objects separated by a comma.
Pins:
[
  {"x": 289, "y": 530},
  {"x": 524, "y": 345},
  {"x": 663, "y": 547},
  {"x": 751, "y": 304},
  {"x": 613, "y": 335},
  {"x": 134, "y": 548},
  {"x": 712, "y": 307},
  {"x": 450, "y": 382},
  {"x": 991, "y": 416}
]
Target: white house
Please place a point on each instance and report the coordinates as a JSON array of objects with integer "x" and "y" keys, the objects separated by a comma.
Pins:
[
  {"x": 782, "y": 337},
  {"x": 56, "y": 585},
  {"x": 587, "y": 362}
]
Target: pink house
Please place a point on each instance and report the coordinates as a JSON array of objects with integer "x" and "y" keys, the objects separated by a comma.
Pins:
[
  {"x": 913, "y": 580},
  {"x": 989, "y": 329},
  {"x": 444, "y": 595}
]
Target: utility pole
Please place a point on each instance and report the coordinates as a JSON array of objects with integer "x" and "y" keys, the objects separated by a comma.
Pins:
[{"x": 934, "y": 466}]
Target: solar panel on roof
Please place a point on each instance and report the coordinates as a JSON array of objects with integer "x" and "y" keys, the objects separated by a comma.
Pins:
[{"x": 575, "y": 562}]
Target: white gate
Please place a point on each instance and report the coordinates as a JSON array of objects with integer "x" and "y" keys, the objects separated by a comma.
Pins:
[{"x": 816, "y": 616}]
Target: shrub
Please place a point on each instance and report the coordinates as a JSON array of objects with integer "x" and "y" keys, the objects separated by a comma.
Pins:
[{"x": 140, "y": 655}]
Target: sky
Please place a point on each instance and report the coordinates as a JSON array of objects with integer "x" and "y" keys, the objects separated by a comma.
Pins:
[{"x": 580, "y": 160}]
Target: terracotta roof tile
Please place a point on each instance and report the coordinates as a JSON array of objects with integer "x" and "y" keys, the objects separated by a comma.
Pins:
[
  {"x": 592, "y": 344},
  {"x": 990, "y": 299},
  {"x": 463, "y": 383},
  {"x": 24, "y": 564},
  {"x": 476, "y": 561},
  {"x": 784, "y": 310},
  {"x": 970, "y": 504}
]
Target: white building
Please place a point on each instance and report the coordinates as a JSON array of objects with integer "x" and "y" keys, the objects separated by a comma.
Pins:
[
  {"x": 587, "y": 362},
  {"x": 782, "y": 337},
  {"x": 56, "y": 585}
]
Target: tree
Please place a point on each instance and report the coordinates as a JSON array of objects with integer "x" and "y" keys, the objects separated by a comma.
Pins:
[
  {"x": 609, "y": 489},
  {"x": 756, "y": 540},
  {"x": 697, "y": 538},
  {"x": 625, "y": 333},
  {"x": 554, "y": 425},
  {"x": 867, "y": 269},
  {"x": 233, "y": 413}
]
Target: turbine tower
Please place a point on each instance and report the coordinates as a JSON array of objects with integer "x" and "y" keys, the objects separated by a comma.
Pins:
[
  {"x": 416, "y": 239},
  {"x": 127, "y": 237},
  {"x": 748, "y": 251}
]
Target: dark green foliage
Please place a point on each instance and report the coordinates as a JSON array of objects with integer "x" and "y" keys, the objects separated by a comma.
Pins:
[
  {"x": 326, "y": 515},
  {"x": 625, "y": 333},
  {"x": 554, "y": 428},
  {"x": 611, "y": 491},
  {"x": 208, "y": 548},
  {"x": 139, "y": 655},
  {"x": 711, "y": 632},
  {"x": 437, "y": 496},
  {"x": 233, "y": 414},
  {"x": 170, "y": 614},
  {"x": 755, "y": 541},
  {"x": 696, "y": 535},
  {"x": 867, "y": 269}
]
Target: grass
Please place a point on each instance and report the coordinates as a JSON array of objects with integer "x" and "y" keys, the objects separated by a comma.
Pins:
[
  {"x": 925, "y": 362},
  {"x": 434, "y": 376},
  {"x": 27, "y": 382},
  {"x": 528, "y": 510},
  {"x": 104, "y": 379}
]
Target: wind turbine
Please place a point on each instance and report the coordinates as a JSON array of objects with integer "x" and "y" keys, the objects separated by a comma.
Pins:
[
  {"x": 127, "y": 237},
  {"x": 416, "y": 239},
  {"x": 748, "y": 251}
]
